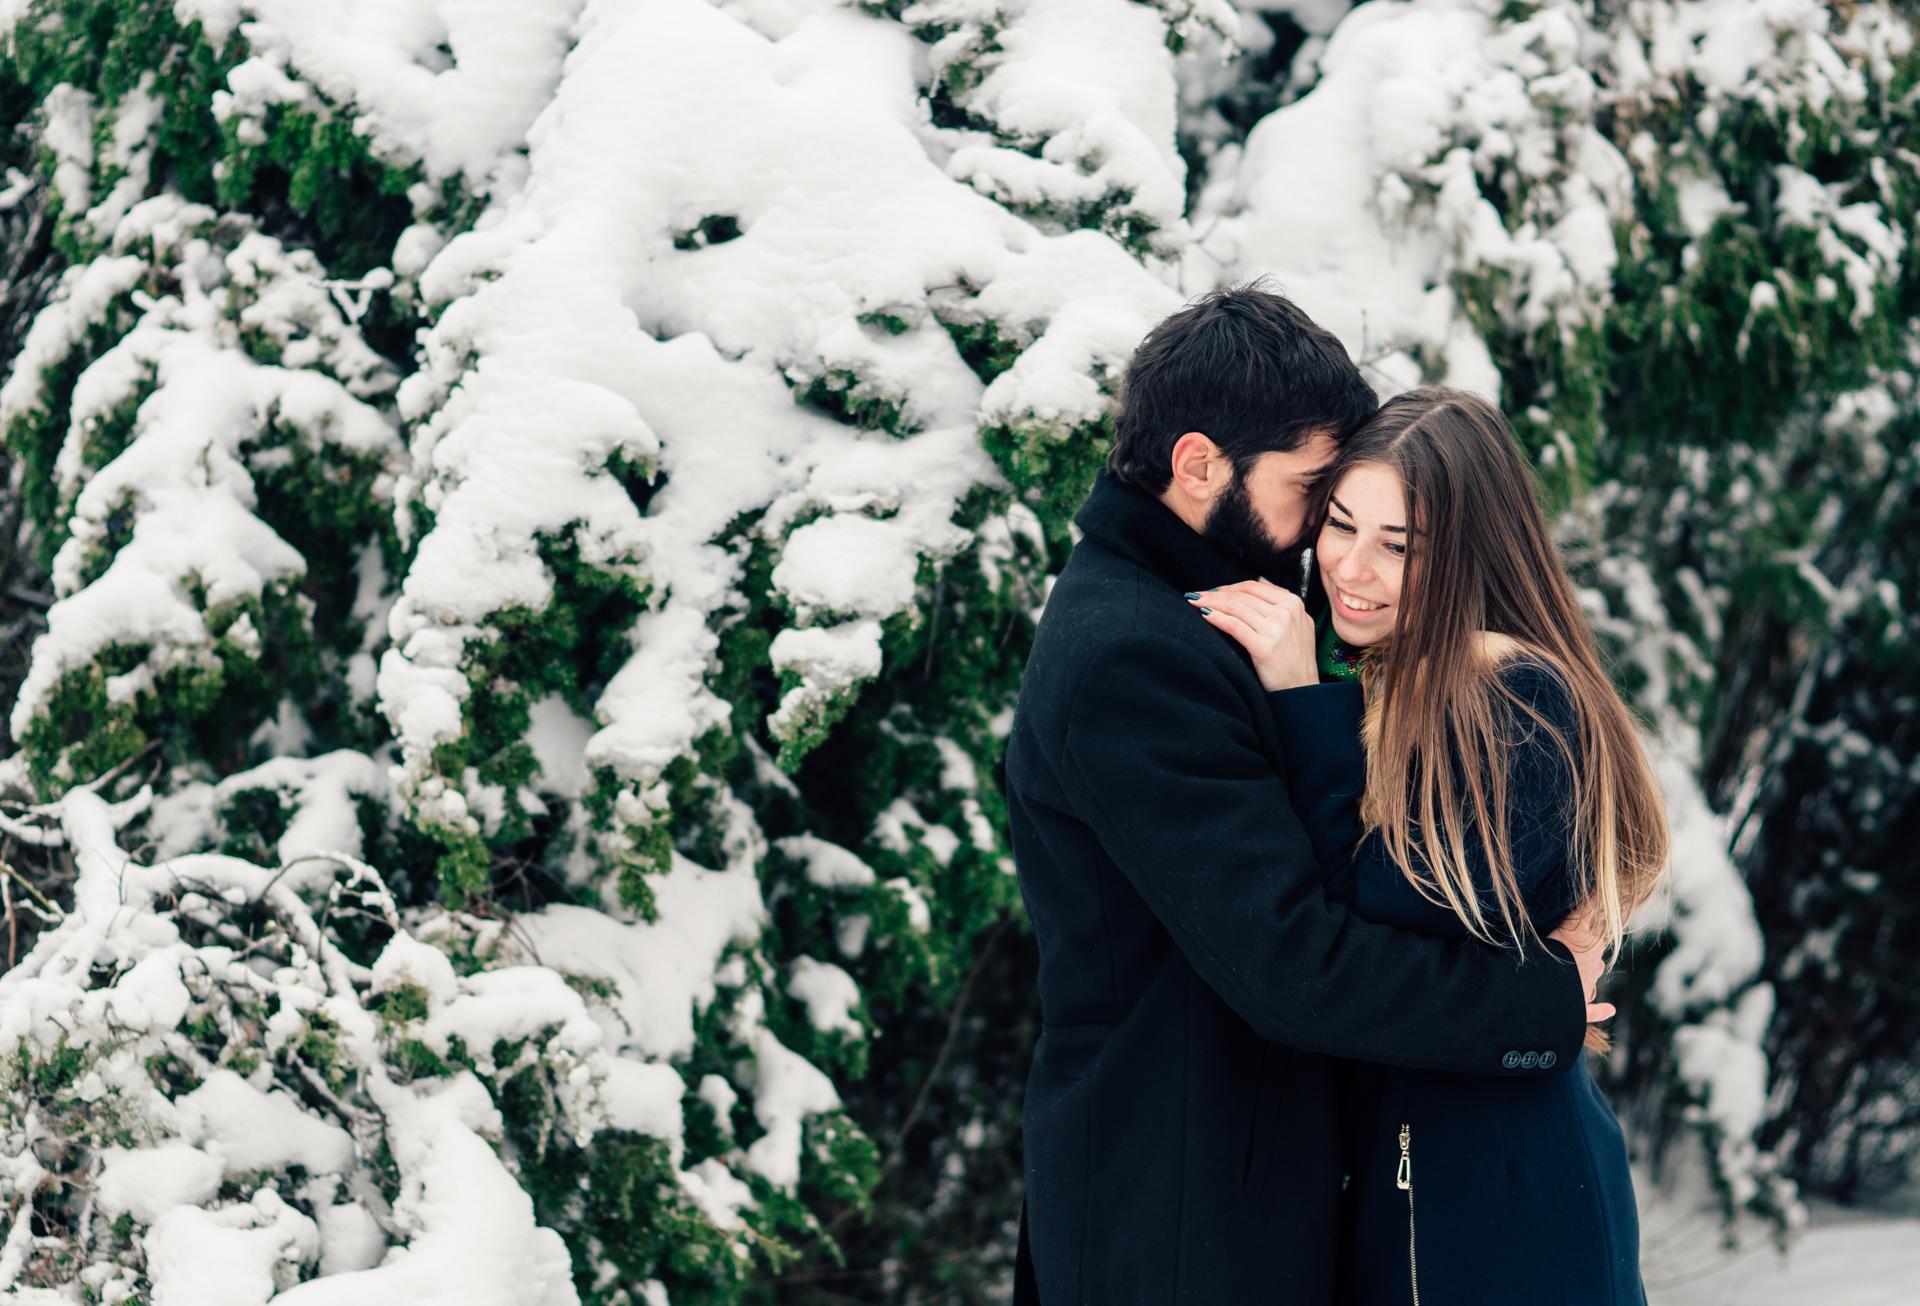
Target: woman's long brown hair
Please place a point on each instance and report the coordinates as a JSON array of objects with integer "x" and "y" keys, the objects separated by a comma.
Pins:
[{"x": 1484, "y": 583}]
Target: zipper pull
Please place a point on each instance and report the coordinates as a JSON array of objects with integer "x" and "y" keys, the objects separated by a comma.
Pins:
[{"x": 1403, "y": 1177}]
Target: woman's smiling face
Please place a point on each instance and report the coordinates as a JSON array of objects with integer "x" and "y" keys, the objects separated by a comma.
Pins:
[{"x": 1362, "y": 552}]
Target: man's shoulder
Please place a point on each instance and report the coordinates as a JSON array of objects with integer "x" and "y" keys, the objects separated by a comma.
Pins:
[
  {"x": 1104, "y": 608},
  {"x": 1113, "y": 633}
]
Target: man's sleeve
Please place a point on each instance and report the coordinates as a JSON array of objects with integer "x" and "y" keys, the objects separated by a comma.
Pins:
[{"x": 1161, "y": 759}]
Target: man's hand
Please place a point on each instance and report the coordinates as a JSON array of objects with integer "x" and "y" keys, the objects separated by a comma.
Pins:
[
  {"x": 1581, "y": 933},
  {"x": 1271, "y": 624}
]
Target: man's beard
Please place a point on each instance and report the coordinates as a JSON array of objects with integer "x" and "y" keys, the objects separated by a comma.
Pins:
[{"x": 1234, "y": 529}]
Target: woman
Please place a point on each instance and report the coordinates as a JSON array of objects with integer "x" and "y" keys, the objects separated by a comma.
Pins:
[{"x": 1493, "y": 786}]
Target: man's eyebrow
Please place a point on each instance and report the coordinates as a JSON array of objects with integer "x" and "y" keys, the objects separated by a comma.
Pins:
[
  {"x": 1318, "y": 472},
  {"x": 1394, "y": 530}
]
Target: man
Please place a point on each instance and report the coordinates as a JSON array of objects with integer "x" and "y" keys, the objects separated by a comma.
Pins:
[{"x": 1195, "y": 985}]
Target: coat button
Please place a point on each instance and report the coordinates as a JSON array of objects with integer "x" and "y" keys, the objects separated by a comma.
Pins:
[
  {"x": 1529, "y": 1061},
  {"x": 1547, "y": 1059},
  {"x": 1511, "y": 1061}
]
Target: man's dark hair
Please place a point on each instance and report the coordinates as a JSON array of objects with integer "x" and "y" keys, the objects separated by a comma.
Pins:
[{"x": 1246, "y": 368}]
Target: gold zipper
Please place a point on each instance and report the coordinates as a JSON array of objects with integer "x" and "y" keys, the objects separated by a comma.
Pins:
[{"x": 1403, "y": 1179}]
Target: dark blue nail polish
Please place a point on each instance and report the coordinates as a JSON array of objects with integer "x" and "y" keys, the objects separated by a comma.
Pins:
[
  {"x": 1206, "y": 612},
  {"x": 1191, "y": 594}
]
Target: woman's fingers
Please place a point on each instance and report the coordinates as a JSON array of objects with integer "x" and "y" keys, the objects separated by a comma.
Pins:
[
  {"x": 1235, "y": 626},
  {"x": 1261, "y": 591},
  {"x": 1252, "y": 589},
  {"x": 1239, "y": 597},
  {"x": 1249, "y": 612},
  {"x": 1272, "y": 619},
  {"x": 1279, "y": 640}
]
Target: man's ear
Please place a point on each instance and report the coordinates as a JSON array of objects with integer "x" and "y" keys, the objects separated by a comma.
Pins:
[{"x": 1200, "y": 469}]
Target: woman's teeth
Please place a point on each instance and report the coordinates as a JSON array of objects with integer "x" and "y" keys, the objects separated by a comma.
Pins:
[{"x": 1358, "y": 605}]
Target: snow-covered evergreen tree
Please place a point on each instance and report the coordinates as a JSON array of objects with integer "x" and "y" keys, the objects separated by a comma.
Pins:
[{"x": 541, "y": 505}]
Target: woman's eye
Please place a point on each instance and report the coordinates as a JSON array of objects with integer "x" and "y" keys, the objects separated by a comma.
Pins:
[
  {"x": 1339, "y": 525},
  {"x": 1397, "y": 550}
]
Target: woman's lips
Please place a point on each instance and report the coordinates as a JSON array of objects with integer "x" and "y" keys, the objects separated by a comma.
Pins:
[{"x": 1346, "y": 601}]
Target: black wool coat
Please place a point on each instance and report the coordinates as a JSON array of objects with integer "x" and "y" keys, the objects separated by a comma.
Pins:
[
  {"x": 1482, "y": 1191},
  {"x": 1196, "y": 984}
]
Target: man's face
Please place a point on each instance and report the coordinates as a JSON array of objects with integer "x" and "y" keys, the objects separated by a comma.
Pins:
[{"x": 1261, "y": 517}]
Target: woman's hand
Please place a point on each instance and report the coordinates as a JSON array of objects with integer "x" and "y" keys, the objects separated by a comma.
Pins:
[
  {"x": 1271, "y": 624},
  {"x": 1588, "y": 945}
]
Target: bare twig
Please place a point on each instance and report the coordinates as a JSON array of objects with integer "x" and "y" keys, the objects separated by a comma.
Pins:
[
  {"x": 7, "y": 868},
  {"x": 898, "y": 1148},
  {"x": 959, "y": 1010}
]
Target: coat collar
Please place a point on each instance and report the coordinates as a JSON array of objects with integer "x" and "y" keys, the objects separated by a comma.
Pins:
[{"x": 1134, "y": 524}]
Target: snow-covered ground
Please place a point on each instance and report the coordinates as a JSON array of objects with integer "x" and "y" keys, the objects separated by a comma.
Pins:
[{"x": 1842, "y": 1259}]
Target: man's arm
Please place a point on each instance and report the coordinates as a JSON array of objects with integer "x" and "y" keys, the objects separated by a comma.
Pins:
[{"x": 1162, "y": 761}]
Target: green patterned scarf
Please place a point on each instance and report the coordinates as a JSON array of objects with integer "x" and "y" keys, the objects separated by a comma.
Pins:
[{"x": 1339, "y": 660}]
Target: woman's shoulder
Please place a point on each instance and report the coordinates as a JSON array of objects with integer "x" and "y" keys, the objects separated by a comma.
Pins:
[{"x": 1529, "y": 675}]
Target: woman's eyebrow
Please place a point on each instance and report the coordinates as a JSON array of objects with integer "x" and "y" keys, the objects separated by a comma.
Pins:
[{"x": 1397, "y": 530}]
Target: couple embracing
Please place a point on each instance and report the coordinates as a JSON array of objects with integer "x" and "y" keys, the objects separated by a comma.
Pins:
[{"x": 1327, "y": 820}]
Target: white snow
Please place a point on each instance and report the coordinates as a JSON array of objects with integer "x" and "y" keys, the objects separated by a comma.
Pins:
[
  {"x": 786, "y": 1090},
  {"x": 1414, "y": 103},
  {"x": 664, "y": 969},
  {"x": 235, "y": 1256},
  {"x": 1843, "y": 1259},
  {"x": 248, "y": 1129},
  {"x": 830, "y": 995},
  {"x": 828, "y": 864},
  {"x": 148, "y": 1181},
  {"x": 463, "y": 111}
]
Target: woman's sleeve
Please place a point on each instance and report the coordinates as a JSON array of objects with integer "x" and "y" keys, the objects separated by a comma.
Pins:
[{"x": 1326, "y": 766}]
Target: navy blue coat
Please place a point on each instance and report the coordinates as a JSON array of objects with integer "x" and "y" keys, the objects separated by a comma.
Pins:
[
  {"x": 1195, "y": 983},
  {"x": 1516, "y": 1190}
]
